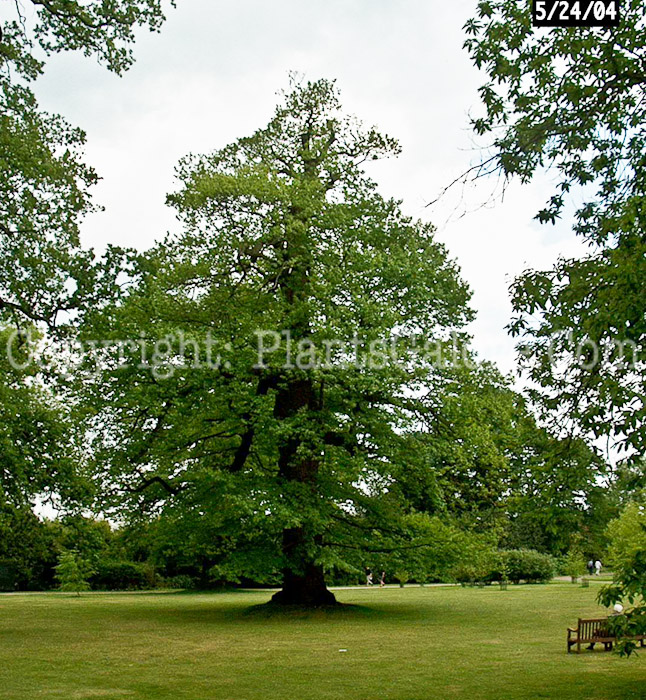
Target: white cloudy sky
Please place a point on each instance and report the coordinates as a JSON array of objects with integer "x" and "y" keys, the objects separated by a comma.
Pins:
[{"x": 212, "y": 75}]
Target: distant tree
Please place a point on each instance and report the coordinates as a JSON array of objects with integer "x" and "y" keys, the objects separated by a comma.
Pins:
[
  {"x": 557, "y": 490},
  {"x": 489, "y": 464},
  {"x": 91, "y": 539},
  {"x": 574, "y": 564},
  {"x": 26, "y": 549},
  {"x": 448, "y": 548},
  {"x": 72, "y": 572}
]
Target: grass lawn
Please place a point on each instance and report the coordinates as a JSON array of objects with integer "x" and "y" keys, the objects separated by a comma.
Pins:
[{"x": 402, "y": 644}]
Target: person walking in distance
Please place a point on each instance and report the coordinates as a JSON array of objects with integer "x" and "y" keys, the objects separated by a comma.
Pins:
[
  {"x": 597, "y": 566},
  {"x": 382, "y": 579},
  {"x": 591, "y": 567},
  {"x": 369, "y": 581}
]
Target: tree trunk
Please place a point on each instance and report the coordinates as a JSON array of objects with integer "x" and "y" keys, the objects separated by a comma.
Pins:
[
  {"x": 303, "y": 583},
  {"x": 303, "y": 579}
]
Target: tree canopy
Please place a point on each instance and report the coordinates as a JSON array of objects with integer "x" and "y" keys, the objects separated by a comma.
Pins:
[{"x": 40, "y": 454}]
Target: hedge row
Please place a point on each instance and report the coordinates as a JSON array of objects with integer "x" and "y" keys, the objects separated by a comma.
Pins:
[{"x": 514, "y": 565}]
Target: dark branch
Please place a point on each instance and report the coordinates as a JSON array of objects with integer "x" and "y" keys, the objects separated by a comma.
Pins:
[{"x": 146, "y": 483}]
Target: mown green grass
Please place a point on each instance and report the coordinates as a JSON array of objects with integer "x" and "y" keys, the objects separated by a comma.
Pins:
[{"x": 402, "y": 644}]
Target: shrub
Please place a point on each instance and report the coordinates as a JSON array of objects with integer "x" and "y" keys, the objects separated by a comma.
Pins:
[
  {"x": 518, "y": 565},
  {"x": 441, "y": 550},
  {"x": 402, "y": 577},
  {"x": 114, "y": 575},
  {"x": 180, "y": 581},
  {"x": 467, "y": 573},
  {"x": 476, "y": 566}
]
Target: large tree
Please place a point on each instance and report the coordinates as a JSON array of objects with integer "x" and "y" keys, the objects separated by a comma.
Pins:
[
  {"x": 573, "y": 101},
  {"x": 292, "y": 454}
]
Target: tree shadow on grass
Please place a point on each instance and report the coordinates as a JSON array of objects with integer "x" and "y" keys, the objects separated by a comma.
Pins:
[
  {"x": 340, "y": 611},
  {"x": 207, "y": 608}
]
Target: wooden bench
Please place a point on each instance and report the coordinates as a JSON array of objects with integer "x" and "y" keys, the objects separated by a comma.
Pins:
[{"x": 594, "y": 631}]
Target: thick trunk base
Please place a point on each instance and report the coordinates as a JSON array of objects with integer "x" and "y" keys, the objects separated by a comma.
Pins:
[
  {"x": 303, "y": 581},
  {"x": 318, "y": 600},
  {"x": 308, "y": 590}
]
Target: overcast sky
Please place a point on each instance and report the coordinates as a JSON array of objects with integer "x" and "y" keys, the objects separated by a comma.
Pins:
[{"x": 212, "y": 75}]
